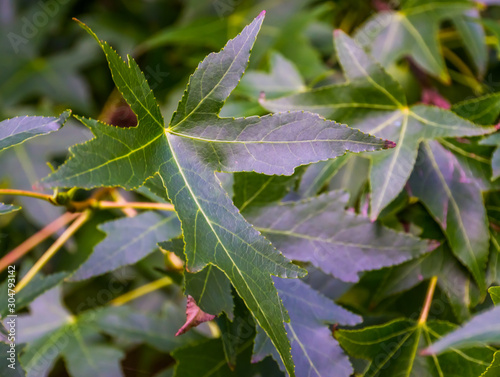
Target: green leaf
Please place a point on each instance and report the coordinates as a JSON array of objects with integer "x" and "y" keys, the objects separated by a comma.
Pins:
[
  {"x": 252, "y": 189},
  {"x": 457, "y": 205},
  {"x": 17, "y": 130},
  {"x": 210, "y": 288},
  {"x": 319, "y": 174},
  {"x": 495, "y": 295},
  {"x": 128, "y": 241},
  {"x": 8, "y": 208},
  {"x": 38, "y": 286},
  {"x": 374, "y": 102},
  {"x": 453, "y": 279},
  {"x": 310, "y": 313},
  {"x": 494, "y": 369},
  {"x": 483, "y": 110},
  {"x": 413, "y": 31},
  {"x": 481, "y": 330},
  {"x": 237, "y": 331},
  {"x": 341, "y": 243},
  {"x": 394, "y": 348},
  {"x": 207, "y": 359},
  {"x": 51, "y": 331},
  {"x": 91, "y": 360},
  {"x": 495, "y": 159},
  {"x": 282, "y": 79},
  {"x": 157, "y": 331},
  {"x": 195, "y": 144}
]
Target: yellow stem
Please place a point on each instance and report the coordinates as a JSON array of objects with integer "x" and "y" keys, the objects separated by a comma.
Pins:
[
  {"x": 30, "y": 194},
  {"x": 53, "y": 249},
  {"x": 129, "y": 212},
  {"x": 35, "y": 239},
  {"x": 141, "y": 291},
  {"x": 137, "y": 205},
  {"x": 428, "y": 301}
]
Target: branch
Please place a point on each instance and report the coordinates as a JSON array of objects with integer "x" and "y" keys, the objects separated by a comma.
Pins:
[
  {"x": 30, "y": 194},
  {"x": 136, "y": 205},
  {"x": 141, "y": 291},
  {"x": 35, "y": 239},
  {"x": 92, "y": 203},
  {"x": 77, "y": 224}
]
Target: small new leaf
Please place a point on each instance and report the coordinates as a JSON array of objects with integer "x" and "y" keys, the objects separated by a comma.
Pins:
[{"x": 374, "y": 102}]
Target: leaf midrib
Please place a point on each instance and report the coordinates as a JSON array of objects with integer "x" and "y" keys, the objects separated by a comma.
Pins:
[
  {"x": 329, "y": 240},
  {"x": 270, "y": 328}
]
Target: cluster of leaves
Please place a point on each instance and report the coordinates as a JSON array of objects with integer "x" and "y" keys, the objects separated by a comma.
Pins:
[{"x": 327, "y": 224}]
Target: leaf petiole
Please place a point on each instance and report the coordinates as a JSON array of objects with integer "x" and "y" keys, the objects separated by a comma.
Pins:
[
  {"x": 35, "y": 239},
  {"x": 428, "y": 300},
  {"x": 77, "y": 224},
  {"x": 141, "y": 291}
]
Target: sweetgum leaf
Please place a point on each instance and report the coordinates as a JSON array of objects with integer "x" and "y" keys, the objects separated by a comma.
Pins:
[
  {"x": 38, "y": 286},
  {"x": 51, "y": 331},
  {"x": 282, "y": 79},
  {"x": 252, "y": 189},
  {"x": 483, "y": 110},
  {"x": 311, "y": 340},
  {"x": 481, "y": 330},
  {"x": 8, "y": 208},
  {"x": 413, "y": 31},
  {"x": 319, "y": 230},
  {"x": 128, "y": 241},
  {"x": 319, "y": 174},
  {"x": 374, "y": 102},
  {"x": 394, "y": 347},
  {"x": 198, "y": 142},
  {"x": 207, "y": 359},
  {"x": 17, "y": 130},
  {"x": 457, "y": 205}
]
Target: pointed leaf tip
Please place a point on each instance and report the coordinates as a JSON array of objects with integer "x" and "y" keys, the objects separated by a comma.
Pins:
[
  {"x": 262, "y": 14},
  {"x": 389, "y": 144},
  {"x": 337, "y": 32}
]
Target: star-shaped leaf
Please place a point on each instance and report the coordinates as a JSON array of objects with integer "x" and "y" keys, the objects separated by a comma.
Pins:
[
  {"x": 413, "y": 31},
  {"x": 393, "y": 350},
  {"x": 319, "y": 230},
  {"x": 51, "y": 331},
  {"x": 186, "y": 154},
  {"x": 374, "y": 102}
]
